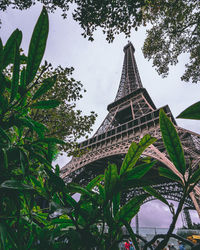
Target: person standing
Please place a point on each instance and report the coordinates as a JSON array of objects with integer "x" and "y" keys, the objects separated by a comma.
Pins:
[
  {"x": 181, "y": 246},
  {"x": 131, "y": 245},
  {"x": 127, "y": 245}
]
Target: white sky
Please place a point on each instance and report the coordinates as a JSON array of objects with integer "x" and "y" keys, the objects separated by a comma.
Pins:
[{"x": 98, "y": 66}]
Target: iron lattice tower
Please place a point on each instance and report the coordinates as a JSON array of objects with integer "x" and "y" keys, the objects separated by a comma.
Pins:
[{"x": 132, "y": 115}]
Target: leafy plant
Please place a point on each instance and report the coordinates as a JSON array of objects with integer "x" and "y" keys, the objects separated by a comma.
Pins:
[
  {"x": 25, "y": 153},
  {"x": 184, "y": 175}
]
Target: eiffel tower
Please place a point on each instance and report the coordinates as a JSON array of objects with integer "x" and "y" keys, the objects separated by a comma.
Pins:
[{"x": 132, "y": 115}]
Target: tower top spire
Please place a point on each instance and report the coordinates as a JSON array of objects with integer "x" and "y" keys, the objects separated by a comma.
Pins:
[
  {"x": 129, "y": 45},
  {"x": 130, "y": 78}
]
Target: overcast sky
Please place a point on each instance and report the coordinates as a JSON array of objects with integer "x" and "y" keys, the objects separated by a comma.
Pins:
[{"x": 98, "y": 66}]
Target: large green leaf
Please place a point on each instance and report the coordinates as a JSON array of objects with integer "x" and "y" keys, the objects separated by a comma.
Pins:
[
  {"x": 9, "y": 48},
  {"x": 111, "y": 180},
  {"x": 15, "y": 184},
  {"x": 192, "y": 112},
  {"x": 24, "y": 162},
  {"x": 75, "y": 188},
  {"x": 195, "y": 177},
  {"x": 135, "y": 152},
  {"x": 47, "y": 84},
  {"x": 15, "y": 77},
  {"x": 23, "y": 81},
  {"x": 165, "y": 172},
  {"x": 130, "y": 209},
  {"x": 172, "y": 142},
  {"x": 156, "y": 194},
  {"x": 101, "y": 191},
  {"x": 94, "y": 182},
  {"x": 137, "y": 172},
  {"x": 49, "y": 104},
  {"x": 37, "y": 46},
  {"x": 116, "y": 203},
  {"x": 68, "y": 200}
]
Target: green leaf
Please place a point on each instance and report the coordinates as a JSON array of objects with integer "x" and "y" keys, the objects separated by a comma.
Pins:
[
  {"x": 39, "y": 128},
  {"x": 4, "y": 159},
  {"x": 111, "y": 180},
  {"x": 51, "y": 140},
  {"x": 165, "y": 172},
  {"x": 68, "y": 222},
  {"x": 101, "y": 191},
  {"x": 15, "y": 184},
  {"x": 192, "y": 112},
  {"x": 36, "y": 183},
  {"x": 68, "y": 200},
  {"x": 156, "y": 194},
  {"x": 40, "y": 158},
  {"x": 37, "y": 46},
  {"x": 47, "y": 84},
  {"x": 23, "y": 81},
  {"x": 76, "y": 188},
  {"x": 95, "y": 182},
  {"x": 108, "y": 216},
  {"x": 24, "y": 161},
  {"x": 9, "y": 49},
  {"x": 4, "y": 135},
  {"x": 135, "y": 152},
  {"x": 130, "y": 209},
  {"x": 57, "y": 184},
  {"x": 3, "y": 234},
  {"x": 116, "y": 203},
  {"x": 195, "y": 177},
  {"x": 138, "y": 171},
  {"x": 7, "y": 233},
  {"x": 45, "y": 104},
  {"x": 15, "y": 77},
  {"x": 172, "y": 142},
  {"x": 3, "y": 101}
]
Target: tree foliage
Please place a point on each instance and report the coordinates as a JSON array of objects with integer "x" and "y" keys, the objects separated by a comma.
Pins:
[
  {"x": 65, "y": 122},
  {"x": 175, "y": 30},
  {"x": 174, "y": 26}
]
